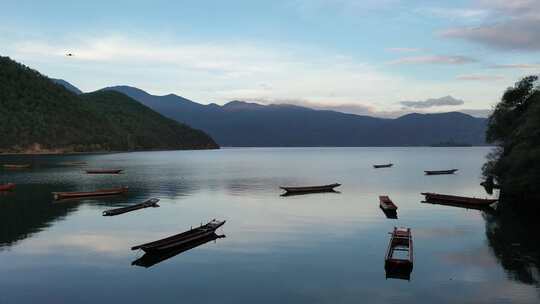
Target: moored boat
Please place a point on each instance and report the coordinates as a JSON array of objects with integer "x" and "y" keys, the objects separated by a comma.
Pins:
[
  {"x": 440, "y": 172},
  {"x": 153, "y": 202},
  {"x": 103, "y": 171},
  {"x": 151, "y": 259},
  {"x": 461, "y": 200},
  {"x": 310, "y": 189},
  {"x": 399, "y": 255},
  {"x": 386, "y": 203},
  {"x": 96, "y": 193},
  {"x": 383, "y": 166},
  {"x": 74, "y": 163},
  {"x": 7, "y": 187},
  {"x": 17, "y": 166},
  {"x": 186, "y": 237}
]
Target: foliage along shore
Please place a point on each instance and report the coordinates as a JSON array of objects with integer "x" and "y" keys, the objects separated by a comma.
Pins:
[
  {"x": 514, "y": 127},
  {"x": 38, "y": 116}
]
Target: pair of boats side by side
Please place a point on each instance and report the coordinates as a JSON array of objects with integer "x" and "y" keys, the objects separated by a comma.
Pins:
[{"x": 427, "y": 172}]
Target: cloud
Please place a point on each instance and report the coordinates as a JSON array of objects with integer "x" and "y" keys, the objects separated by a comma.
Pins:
[
  {"x": 477, "y": 112},
  {"x": 516, "y": 66},
  {"x": 403, "y": 50},
  {"x": 433, "y": 102},
  {"x": 434, "y": 59},
  {"x": 512, "y": 25},
  {"x": 479, "y": 77}
]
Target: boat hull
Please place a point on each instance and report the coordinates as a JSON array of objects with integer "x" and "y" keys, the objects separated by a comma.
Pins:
[
  {"x": 311, "y": 189},
  {"x": 459, "y": 200},
  {"x": 149, "y": 203},
  {"x": 441, "y": 172},
  {"x": 89, "y": 194},
  {"x": 400, "y": 240},
  {"x": 7, "y": 187},
  {"x": 382, "y": 166},
  {"x": 180, "y": 239},
  {"x": 25, "y": 166},
  {"x": 115, "y": 171},
  {"x": 386, "y": 203}
]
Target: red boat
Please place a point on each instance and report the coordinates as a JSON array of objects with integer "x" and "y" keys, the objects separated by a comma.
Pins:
[
  {"x": 461, "y": 200},
  {"x": 386, "y": 203},
  {"x": 104, "y": 171},
  {"x": 7, "y": 187},
  {"x": 399, "y": 255},
  {"x": 17, "y": 166},
  {"x": 104, "y": 192}
]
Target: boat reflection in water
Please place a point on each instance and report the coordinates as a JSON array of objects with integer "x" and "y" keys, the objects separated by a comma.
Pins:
[
  {"x": 390, "y": 214},
  {"x": 151, "y": 259}
]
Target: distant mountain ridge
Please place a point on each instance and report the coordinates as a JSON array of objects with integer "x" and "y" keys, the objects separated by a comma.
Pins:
[{"x": 244, "y": 124}]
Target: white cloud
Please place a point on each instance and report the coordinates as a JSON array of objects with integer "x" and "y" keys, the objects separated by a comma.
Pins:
[
  {"x": 403, "y": 50},
  {"x": 434, "y": 59},
  {"x": 479, "y": 77},
  {"x": 523, "y": 66},
  {"x": 512, "y": 25},
  {"x": 433, "y": 102}
]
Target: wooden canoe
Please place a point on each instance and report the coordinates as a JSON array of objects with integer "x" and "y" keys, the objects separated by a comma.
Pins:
[
  {"x": 386, "y": 203},
  {"x": 104, "y": 171},
  {"x": 440, "y": 172},
  {"x": 153, "y": 202},
  {"x": 151, "y": 259},
  {"x": 309, "y": 189},
  {"x": 96, "y": 193},
  {"x": 461, "y": 200},
  {"x": 383, "y": 166},
  {"x": 399, "y": 255},
  {"x": 7, "y": 187},
  {"x": 174, "y": 241},
  {"x": 74, "y": 163},
  {"x": 17, "y": 166}
]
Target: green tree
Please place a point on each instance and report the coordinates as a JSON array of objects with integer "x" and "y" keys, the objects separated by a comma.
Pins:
[{"x": 515, "y": 127}]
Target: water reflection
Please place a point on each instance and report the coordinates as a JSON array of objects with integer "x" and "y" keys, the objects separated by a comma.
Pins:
[
  {"x": 28, "y": 210},
  {"x": 512, "y": 237},
  {"x": 151, "y": 259},
  {"x": 390, "y": 214}
]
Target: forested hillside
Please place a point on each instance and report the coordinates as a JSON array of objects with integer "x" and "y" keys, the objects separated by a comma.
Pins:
[{"x": 38, "y": 115}]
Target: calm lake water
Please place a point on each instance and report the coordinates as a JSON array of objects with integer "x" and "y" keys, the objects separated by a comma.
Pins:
[{"x": 319, "y": 248}]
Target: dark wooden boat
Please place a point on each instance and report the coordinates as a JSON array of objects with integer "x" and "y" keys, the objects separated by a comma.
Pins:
[
  {"x": 96, "y": 193},
  {"x": 7, "y": 187},
  {"x": 171, "y": 242},
  {"x": 17, "y": 166},
  {"x": 151, "y": 259},
  {"x": 386, "y": 203},
  {"x": 440, "y": 172},
  {"x": 399, "y": 255},
  {"x": 461, "y": 200},
  {"x": 74, "y": 163},
  {"x": 383, "y": 166},
  {"x": 104, "y": 171},
  {"x": 153, "y": 202},
  {"x": 311, "y": 189}
]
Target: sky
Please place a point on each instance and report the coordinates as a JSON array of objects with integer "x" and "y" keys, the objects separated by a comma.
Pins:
[{"x": 373, "y": 57}]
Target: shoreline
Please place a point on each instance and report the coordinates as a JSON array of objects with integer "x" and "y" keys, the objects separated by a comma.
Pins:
[{"x": 52, "y": 153}]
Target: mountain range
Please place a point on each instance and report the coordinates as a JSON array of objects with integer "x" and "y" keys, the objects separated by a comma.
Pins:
[{"x": 245, "y": 124}]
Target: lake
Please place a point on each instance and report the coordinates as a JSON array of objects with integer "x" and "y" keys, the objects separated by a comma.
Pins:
[{"x": 318, "y": 248}]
